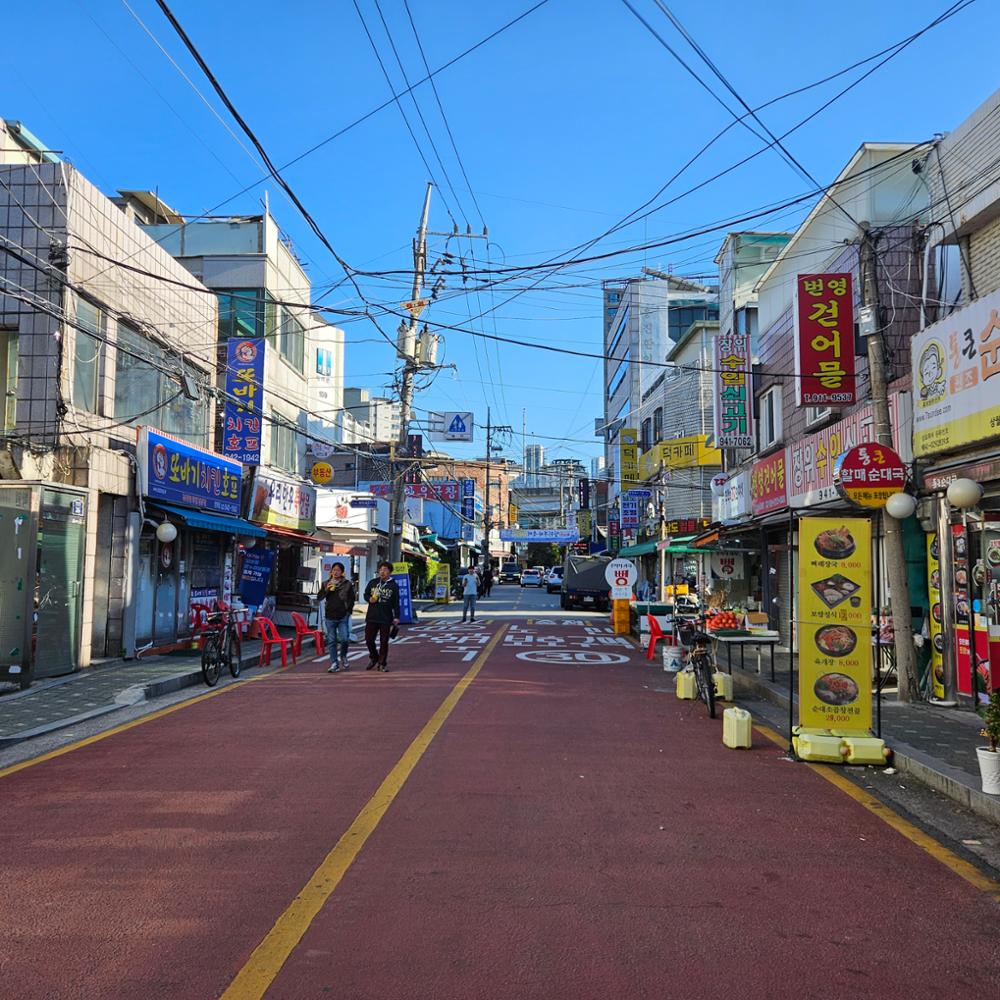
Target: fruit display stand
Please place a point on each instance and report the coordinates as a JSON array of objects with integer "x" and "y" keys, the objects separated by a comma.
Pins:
[{"x": 727, "y": 629}]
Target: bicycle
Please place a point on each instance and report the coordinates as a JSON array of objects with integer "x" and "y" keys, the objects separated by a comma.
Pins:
[
  {"x": 222, "y": 646},
  {"x": 700, "y": 661}
]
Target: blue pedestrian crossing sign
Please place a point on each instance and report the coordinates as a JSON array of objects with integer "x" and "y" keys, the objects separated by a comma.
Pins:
[{"x": 457, "y": 426}]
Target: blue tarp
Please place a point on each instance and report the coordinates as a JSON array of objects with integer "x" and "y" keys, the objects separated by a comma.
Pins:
[{"x": 213, "y": 522}]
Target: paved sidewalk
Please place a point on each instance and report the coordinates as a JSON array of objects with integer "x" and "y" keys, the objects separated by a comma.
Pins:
[{"x": 936, "y": 745}]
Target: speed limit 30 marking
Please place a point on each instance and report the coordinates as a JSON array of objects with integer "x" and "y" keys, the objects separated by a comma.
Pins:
[{"x": 590, "y": 657}]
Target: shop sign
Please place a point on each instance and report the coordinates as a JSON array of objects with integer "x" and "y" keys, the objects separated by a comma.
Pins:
[
  {"x": 686, "y": 525},
  {"x": 629, "y": 511},
  {"x": 678, "y": 453},
  {"x": 621, "y": 575},
  {"x": 981, "y": 472},
  {"x": 835, "y": 602},
  {"x": 283, "y": 503},
  {"x": 731, "y": 394},
  {"x": 936, "y": 628},
  {"x": 768, "y": 486},
  {"x": 584, "y": 492},
  {"x": 177, "y": 472},
  {"x": 614, "y": 534},
  {"x": 242, "y": 420},
  {"x": 824, "y": 340},
  {"x": 442, "y": 584},
  {"x": 727, "y": 565},
  {"x": 468, "y": 499},
  {"x": 628, "y": 457},
  {"x": 731, "y": 502},
  {"x": 583, "y": 523},
  {"x": 869, "y": 474},
  {"x": 811, "y": 460},
  {"x": 449, "y": 491},
  {"x": 966, "y": 582},
  {"x": 956, "y": 378},
  {"x": 321, "y": 473},
  {"x": 257, "y": 564},
  {"x": 512, "y": 512}
]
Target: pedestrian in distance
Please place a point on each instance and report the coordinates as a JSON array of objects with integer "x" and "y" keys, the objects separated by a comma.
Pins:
[
  {"x": 487, "y": 581},
  {"x": 338, "y": 593},
  {"x": 382, "y": 595},
  {"x": 470, "y": 590}
]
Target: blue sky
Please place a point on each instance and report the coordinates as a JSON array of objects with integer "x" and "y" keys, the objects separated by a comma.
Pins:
[{"x": 564, "y": 123}]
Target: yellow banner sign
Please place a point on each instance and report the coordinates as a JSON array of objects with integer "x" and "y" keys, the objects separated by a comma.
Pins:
[
  {"x": 678, "y": 453},
  {"x": 628, "y": 457},
  {"x": 934, "y": 602},
  {"x": 835, "y": 604},
  {"x": 583, "y": 523}
]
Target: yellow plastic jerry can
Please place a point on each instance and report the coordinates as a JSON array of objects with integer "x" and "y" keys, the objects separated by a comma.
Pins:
[
  {"x": 816, "y": 746},
  {"x": 864, "y": 749},
  {"x": 736, "y": 728},
  {"x": 723, "y": 686},
  {"x": 685, "y": 685}
]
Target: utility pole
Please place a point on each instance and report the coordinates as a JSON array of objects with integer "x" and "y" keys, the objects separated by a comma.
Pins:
[
  {"x": 895, "y": 559},
  {"x": 406, "y": 348}
]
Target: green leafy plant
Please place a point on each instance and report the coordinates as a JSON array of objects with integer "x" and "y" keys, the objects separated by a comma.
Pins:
[{"x": 991, "y": 721}]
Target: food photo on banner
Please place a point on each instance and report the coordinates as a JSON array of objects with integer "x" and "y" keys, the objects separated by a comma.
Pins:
[{"x": 835, "y": 601}]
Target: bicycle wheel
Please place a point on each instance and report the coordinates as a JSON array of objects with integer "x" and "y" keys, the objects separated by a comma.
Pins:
[
  {"x": 234, "y": 653},
  {"x": 704, "y": 669},
  {"x": 211, "y": 659}
]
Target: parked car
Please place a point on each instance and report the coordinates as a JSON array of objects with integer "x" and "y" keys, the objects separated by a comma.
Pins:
[
  {"x": 531, "y": 578},
  {"x": 553, "y": 580}
]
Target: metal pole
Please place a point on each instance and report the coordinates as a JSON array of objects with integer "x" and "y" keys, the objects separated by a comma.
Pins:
[
  {"x": 878, "y": 624},
  {"x": 398, "y": 507},
  {"x": 791, "y": 631},
  {"x": 486, "y": 512},
  {"x": 895, "y": 558}
]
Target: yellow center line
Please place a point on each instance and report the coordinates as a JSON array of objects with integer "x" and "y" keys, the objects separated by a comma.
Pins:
[
  {"x": 889, "y": 816},
  {"x": 159, "y": 714},
  {"x": 264, "y": 964}
]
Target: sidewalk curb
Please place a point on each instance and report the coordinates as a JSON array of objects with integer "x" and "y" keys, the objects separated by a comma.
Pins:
[
  {"x": 125, "y": 698},
  {"x": 942, "y": 777}
]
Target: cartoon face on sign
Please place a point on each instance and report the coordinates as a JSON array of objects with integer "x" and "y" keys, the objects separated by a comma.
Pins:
[
  {"x": 246, "y": 352},
  {"x": 932, "y": 386},
  {"x": 160, "y": 462}
]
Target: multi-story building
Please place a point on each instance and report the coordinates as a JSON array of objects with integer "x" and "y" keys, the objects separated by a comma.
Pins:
[
  {"x": 652, "y": 315},
  {"x": 92, "y": 350},
  {"x": 381, "y": 414},
  {"x": 956, "y": 405}
]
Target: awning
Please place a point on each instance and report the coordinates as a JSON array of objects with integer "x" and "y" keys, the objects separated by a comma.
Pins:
[
  {"x": 412, "y": 550},
  {"x": 205, "y": 521},
  {"x": 642, "y": 549},
  {"x": 295, "y": 536},
  {"x": 433, "y": 540},
  {"x": 706, "y": 540}
]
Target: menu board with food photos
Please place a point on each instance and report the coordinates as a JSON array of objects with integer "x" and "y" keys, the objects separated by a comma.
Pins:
[
  {"x": 934, "y": 600},
  {"x": 968, "y": 602},
  {"x": 835, "y": 602}
]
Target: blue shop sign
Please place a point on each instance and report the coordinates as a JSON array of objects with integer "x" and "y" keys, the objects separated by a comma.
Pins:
[
  {"x": 178, "y": 472},
  {"x": 405, "y": 597},
  {"x": 243, "y": 420},
  {"x": 257, "y": 566}
]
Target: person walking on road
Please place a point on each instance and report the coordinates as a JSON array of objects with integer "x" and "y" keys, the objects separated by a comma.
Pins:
[
  {"x": 470, "y": 590},
  {"x": 382, "y": 595},
  {"x": 487, "y": 581},
  {"x": 338, "y": 592}
]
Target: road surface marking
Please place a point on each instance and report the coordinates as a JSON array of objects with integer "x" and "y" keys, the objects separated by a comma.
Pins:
[
  {"x": 914, "y": 834},
  {"x": 264, "y": 964},
  {"x": 97, "y": 737}
]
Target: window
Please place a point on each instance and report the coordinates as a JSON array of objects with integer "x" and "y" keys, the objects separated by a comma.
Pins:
[
  {"x": 619, "y": 375},
  {"x": 147, "y": 393},
  {"x": 284, "y": 443},
  {"x": 645, "y": 437},
  {"x": 817, "y": 415},
  {"x": 769, "y": 422},
  {"x": 292, "y": 339},
  {"x": 87, "y": 357},
  {"x": 8, "y": 379},
  {"x": 658, "y": 425},
  {"x": 247, "y": 312},
  {"x": 619, "y": 332}
]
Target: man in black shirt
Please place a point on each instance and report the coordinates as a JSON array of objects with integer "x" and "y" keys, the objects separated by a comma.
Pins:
[
  {"x": 382, "y": 595},
  {"x": 339, "y": 594}
]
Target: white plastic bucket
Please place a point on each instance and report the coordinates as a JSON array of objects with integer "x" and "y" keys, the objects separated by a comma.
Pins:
[{"x": 673, "y": 658}]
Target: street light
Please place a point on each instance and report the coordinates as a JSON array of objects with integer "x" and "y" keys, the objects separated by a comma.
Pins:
[
  {"x": 901, "y": 506},
  {"x": 963, "y": 494},
  {"x": 166, "y": 532}
]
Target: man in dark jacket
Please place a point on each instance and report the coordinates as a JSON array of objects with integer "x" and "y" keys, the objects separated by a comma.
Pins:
[
  {"x": 382, "y": 595},
  {"x": 339, "y": 594}
]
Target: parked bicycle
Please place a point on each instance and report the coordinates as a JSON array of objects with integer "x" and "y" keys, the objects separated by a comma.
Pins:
[
  {"x": 223, "y": 647},
  {"x": 700, "y": 660}
]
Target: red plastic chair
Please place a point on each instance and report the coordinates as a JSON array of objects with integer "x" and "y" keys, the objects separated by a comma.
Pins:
[
  {"x": 655, "y": 634},
  {"x": 303, "y": 631},
  {"x": 200, "y": 625},
  {"x": 269, "y": 637}
]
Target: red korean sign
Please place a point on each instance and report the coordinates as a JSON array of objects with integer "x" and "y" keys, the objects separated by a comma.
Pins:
[
  {"x": 869, "y": 474},
  {"x": 824, "y": 340},
  {"x": 768, "y": 487},
  {"x": 423, "y": 491}
]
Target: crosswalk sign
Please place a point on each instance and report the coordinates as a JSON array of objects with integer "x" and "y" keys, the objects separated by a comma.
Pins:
[{"x": 457, "y": 426}]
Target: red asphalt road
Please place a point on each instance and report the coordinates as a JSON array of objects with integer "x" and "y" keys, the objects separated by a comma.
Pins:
[{"x": 571, "y": 832}]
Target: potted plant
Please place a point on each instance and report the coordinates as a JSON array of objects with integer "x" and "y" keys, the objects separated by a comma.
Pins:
[{"x": 989, "y": 756}]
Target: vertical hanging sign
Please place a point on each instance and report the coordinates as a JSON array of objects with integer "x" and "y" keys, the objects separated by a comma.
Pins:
[
  {"x": 628, "y": 457},
  {"x": 245, "y": 384},
  {"x": 835, "y": 602},
  {"x": 824, "y": 340},
  {"x": 732, "y": 398}
]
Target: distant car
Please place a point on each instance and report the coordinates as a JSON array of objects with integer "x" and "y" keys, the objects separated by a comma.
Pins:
[
  {"x": 553, "y": 581},
  {"x": 510, "y": 572},
  {"x": 531, "y": 578},
  {"x": 540, "y": 570}
]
